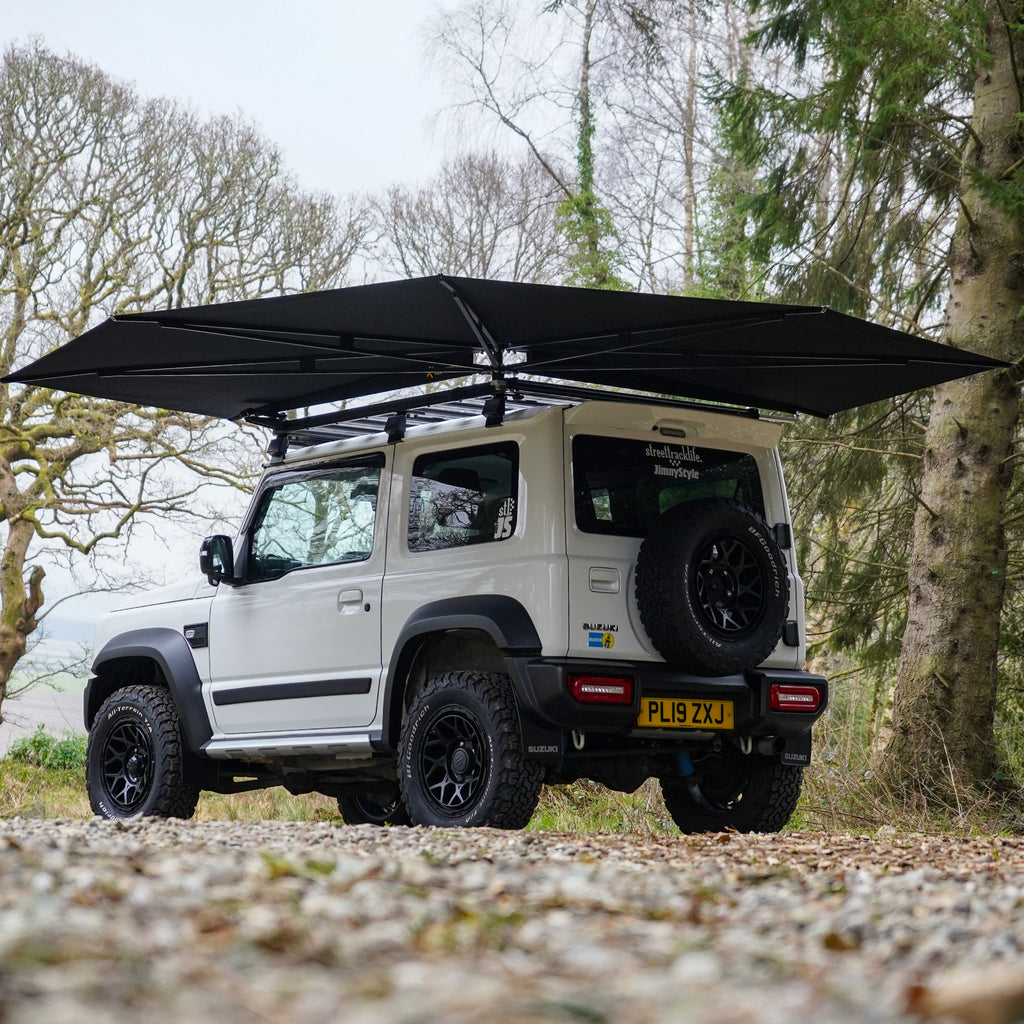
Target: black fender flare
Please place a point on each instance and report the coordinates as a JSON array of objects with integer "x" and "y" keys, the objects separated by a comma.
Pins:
[
  {"x": 172, "y": 654},
  {"x": 503, "y": 618}
]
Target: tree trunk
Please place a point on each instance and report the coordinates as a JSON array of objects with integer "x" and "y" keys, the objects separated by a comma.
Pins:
[
  {"x": 942, "y": 741},
  {"x": 20, "y": 600},
  {"x": 689, "y": 131},
  {"x": 585, "y": 157}
]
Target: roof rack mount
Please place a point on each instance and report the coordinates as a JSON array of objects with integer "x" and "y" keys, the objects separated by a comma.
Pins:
[{"x": 490, "y": 399}]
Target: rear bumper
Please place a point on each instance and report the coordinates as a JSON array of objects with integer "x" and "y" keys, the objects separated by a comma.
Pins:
[{"x": 544, "y": 694}]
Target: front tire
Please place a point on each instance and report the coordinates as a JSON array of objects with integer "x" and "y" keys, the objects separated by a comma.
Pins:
[
  {"x": 134, "y": 761},
  {"x": 735, "y": 792},
  {"x": 461, "y": 757}
]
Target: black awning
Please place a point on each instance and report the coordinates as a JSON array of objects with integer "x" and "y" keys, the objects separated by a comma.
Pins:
[{"x": 265, "y": 356}]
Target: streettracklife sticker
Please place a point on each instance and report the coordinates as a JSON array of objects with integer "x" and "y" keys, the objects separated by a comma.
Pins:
[{"x": 677, "y": 462}]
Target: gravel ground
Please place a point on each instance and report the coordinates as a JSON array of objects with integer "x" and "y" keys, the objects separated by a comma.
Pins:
[{"x": 281, "y": 921}]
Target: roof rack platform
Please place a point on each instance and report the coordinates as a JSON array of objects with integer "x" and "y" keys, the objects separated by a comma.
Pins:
[{"x": 492, "y": 400}]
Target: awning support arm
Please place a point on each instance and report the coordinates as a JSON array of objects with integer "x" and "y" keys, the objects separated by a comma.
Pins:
[{"x": 476, "y": 325}]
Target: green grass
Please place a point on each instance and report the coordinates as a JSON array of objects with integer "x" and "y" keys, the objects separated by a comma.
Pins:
[
  {"x": 39, "y": 791},
  {"x": 31, "y": 791},
  {"x": 274, "y": 804},
  {"x": 590, "y": 807},
  {"x": 34, "y": 783},
  {"x": 42, "y": 750},
  {"x": 47, "y": 791},
  {"x": 43, "y": 776}
]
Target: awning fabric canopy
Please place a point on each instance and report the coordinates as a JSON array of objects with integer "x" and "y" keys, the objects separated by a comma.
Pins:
[{"x": 264, "y": 356}]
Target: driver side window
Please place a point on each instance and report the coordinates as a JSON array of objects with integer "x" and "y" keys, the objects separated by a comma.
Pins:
[{"x": 323, "y": 519}]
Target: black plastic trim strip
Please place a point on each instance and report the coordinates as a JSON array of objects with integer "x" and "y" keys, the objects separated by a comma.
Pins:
[{"x": 293, "y": 691}]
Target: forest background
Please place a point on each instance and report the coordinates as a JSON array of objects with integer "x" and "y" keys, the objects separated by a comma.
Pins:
[{"x": 859, "y": 155}]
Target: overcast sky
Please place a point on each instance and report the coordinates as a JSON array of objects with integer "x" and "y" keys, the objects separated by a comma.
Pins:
[{"x": 340, "y": 85}]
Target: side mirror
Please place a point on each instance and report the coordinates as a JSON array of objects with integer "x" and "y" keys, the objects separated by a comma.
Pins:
[{"x": 217, "y": 560}]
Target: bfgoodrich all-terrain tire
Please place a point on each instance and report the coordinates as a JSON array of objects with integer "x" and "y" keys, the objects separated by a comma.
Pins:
[
  {"x": 461, "y": 757},
  {"x": 712, "y": 587},
  {"x": 134, "y": 761},
  {"x": 733, "y": 791}
]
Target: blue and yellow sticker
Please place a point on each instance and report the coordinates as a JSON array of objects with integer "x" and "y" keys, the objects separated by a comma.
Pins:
[{"x": 601, "y": 639}]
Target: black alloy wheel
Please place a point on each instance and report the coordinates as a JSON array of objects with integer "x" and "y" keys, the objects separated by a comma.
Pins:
[
  {"x": 127, "y": 757},
  {"x": 453, "y": 760},
  {"x": 729, "y": 586}
]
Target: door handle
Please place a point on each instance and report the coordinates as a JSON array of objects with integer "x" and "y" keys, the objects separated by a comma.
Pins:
[
  {"x": 349, "y": 600},
  {"x": 604, "y": 580}
]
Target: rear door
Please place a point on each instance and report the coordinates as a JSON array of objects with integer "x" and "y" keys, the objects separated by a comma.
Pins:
[{"x": 620, "y": 486}]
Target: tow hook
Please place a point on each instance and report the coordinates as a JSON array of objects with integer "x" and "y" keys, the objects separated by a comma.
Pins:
[{"x": 689, "y": 778}]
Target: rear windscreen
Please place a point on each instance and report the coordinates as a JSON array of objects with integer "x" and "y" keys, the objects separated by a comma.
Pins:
[{"x": 621, "y": 487}]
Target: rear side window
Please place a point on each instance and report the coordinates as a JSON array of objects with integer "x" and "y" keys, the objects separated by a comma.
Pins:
[
  {"x": 621, "y": 486},
  {"x": 465, "y": 496}
]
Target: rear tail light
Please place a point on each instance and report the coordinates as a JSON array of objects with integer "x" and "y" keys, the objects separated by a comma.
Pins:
[
  {"x": 601, "y": 689},
  {"x": 790, "y": 697}
]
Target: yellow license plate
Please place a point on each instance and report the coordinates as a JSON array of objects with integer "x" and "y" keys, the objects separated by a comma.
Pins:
[{"x": 684, "y": 713}]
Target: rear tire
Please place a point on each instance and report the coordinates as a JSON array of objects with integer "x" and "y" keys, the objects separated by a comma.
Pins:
[
  {"x": 461, "y": 757},
  {"x": 740, "y": 793},
  {"x": 135, "y": 757},
  {"x": 361, "y": 810}
]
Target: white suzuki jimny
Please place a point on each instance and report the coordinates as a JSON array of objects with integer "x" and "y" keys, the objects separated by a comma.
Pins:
[{"x": 431, "y": 614}]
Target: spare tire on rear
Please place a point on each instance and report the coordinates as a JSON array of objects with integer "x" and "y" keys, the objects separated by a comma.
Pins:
[{"x": 712, "y": 587}]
